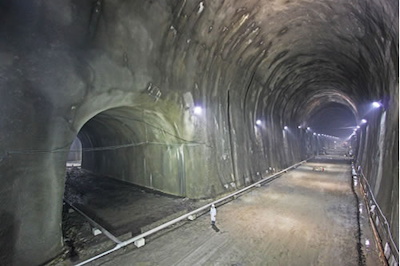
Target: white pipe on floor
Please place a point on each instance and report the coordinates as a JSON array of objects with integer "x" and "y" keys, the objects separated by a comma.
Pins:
[{"x": 185, "y": 216}]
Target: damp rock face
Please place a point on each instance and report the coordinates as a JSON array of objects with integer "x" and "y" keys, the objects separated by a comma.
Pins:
[{"x": 166, "y": 95}]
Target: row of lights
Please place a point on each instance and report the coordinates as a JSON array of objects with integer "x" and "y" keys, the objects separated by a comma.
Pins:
[
  {"x": 327, "y": 136},
  {"x": 258, "y": 122},
  {"x": 375, "y": 105},
  {"x": 318, "y": 134},
  {"x": 363, "y": 121},
  {"x": 198, "y": 110}
]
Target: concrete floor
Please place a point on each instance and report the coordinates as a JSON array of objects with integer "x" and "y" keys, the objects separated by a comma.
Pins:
[{"x": 306, "y": 217}]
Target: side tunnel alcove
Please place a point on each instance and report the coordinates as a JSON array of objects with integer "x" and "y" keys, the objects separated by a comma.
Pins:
[
  {"x": 75, "y": 154},
  {"x": 136, "y": 146}
]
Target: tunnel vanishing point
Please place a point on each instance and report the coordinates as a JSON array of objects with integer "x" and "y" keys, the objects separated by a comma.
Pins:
[{"x": 191, "y": 98}]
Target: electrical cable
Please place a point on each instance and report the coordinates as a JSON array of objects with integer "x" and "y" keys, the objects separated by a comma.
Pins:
[
  {"x": 105, "y": 148},
  {"x": 160, "y": 129},
  {"x": 114, "y": 147}
]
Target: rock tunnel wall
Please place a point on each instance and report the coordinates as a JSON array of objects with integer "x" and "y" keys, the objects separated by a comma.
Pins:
[
  {"x": 126, "y": 76},
  {"x": 378, "y": 157}
]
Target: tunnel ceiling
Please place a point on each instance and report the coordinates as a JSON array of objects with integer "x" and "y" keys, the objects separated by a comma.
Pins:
[
  {"x": 300, "y": 51},
  {"x": 281, "y": 57}
]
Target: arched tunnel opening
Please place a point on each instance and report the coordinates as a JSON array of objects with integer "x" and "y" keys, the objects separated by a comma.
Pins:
[
  {"x": 332, "y": 126},
  {"x": 131, "y": 159},
  {"x": 335, "y": 120},
  {"x": 134, "y": 145},
  {"x": 75, "y": 154},
  {"x": 192, "y": 99}
]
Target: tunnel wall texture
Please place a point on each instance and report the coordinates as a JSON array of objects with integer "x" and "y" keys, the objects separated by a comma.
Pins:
[
  {"x": 378, "y": 157},
  {"x": 125, "y": 76}
]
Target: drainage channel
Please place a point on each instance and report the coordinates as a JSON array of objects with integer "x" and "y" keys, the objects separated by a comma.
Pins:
[{"x": 139, "y": 240}]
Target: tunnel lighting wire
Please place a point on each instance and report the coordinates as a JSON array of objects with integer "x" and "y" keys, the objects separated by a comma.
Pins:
[
  {"x": 160, "y": 129},
  {"x": 114, "y": 147},
  {"x": 105, "y": 148},
  {"x": 185, "y": 216},
  {"x": 384, "y": 217}
]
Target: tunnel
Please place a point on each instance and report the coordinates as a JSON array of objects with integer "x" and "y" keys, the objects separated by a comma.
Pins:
[
  {"x": 190, "y": 98},
  {"x": 139, "y": 146},
  {"x": 75, "y": 153}
]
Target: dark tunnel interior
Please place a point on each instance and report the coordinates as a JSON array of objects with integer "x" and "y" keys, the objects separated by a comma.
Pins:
[
  {"x": 190, "y": 98},
  {"x": 335, "y": 120},
  {"x": 124, "y": 143}
]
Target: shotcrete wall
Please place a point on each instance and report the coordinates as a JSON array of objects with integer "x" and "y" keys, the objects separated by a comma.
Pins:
[
  {"x": 126, "y": 76},
  {"x": 378, "y": 157}
]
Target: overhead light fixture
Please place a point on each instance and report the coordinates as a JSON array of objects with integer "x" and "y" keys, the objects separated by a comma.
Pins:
[
  {"x": 363, "y": 121},
  {"x": 376, "y": 104},
  {"x": 258, "y": 122},
  {"x": 358, "y": 127},
  {"x": 314, "y": 133},
  {"x": 299, "y": 127},
  {"x": 285, "y": 128},
  {"x": 197, "y": 110},
  {"x": 308, "y": 128}
]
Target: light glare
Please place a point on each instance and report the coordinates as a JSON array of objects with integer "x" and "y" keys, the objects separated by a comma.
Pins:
[
  {"x": 198, "y": 110},
  {"x": 376, "y": 104}
]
